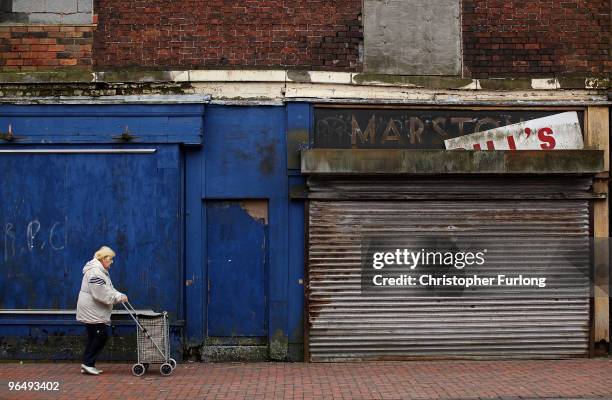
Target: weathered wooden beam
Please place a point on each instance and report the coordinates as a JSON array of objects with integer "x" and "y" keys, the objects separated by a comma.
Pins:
[
  {"x": 429, "y": 162},
  {"x": 598, "y": 137}
]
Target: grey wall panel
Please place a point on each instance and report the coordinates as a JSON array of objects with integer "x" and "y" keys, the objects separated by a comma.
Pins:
[{"x": 412, "y": 37}]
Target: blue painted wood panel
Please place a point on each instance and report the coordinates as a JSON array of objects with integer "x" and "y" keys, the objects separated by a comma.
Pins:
[
  {"x": 103, "y": 124},
  {"x": 56, "y": 210},
  {"x": 300, "y": 132},
  {"x": 245, "y": 156},
  {"x": 296, "y": 266},
  {"x": 195, "y": 273},
  {"x": 237, "y": 254},
  {"x": 299, "y": 122},
  {"x": 245, "y": 152}
]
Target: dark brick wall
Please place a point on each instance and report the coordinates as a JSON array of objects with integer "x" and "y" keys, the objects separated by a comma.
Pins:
[
  {"x": 155, "y": 34},
  {"x": 500, "y": 37},
  {"x": 536, "y": 37}
]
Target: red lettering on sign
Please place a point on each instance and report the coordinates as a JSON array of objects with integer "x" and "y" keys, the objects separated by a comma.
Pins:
[
  {"x": 511, "y": 143},
  {"x": 477, "y": 146},
  {"x": 545, "y": 136},
  {"x": 490, "y": 145}
]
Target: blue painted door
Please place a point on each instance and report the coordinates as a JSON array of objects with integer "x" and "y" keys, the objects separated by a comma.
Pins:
[{"x": 237, "y": 254}]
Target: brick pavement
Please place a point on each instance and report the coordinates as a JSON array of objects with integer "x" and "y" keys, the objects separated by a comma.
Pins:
[{"x": 372, "y": 380}]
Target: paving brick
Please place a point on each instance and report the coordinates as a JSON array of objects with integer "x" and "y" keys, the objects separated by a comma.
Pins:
[{"x": 508, "y": 380}]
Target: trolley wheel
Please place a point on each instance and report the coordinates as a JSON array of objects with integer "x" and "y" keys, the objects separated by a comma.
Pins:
[
  {"x": 138, "y": 369},
  {"x": 165, "y": 369},
  {"x": 172, "y": 363}
]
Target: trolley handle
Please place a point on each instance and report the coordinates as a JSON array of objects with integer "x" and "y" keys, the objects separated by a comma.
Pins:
[
  {"x": 130, "y": 307},
  {"x": 134, "y": 316}
]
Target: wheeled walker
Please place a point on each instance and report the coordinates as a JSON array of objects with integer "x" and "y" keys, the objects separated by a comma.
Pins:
[{"x": 152, "y": 337}]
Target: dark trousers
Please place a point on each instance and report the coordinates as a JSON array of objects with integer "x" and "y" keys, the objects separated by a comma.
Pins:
[{"x": 96, "y": 339}]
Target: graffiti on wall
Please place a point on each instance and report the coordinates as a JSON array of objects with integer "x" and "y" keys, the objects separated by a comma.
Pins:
[{"x": 33, "y": 236}]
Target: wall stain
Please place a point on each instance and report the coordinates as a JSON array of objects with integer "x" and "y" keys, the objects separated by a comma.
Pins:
[{"x": 268, "y": 154}]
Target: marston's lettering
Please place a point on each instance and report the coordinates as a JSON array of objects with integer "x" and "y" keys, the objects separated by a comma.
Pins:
[{"x": 413, "y": 128}]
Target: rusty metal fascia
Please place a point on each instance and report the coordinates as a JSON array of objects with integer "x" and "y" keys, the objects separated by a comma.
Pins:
[
  {"x": 429, "y": 162},
  {"x": 507, "y": 187}
]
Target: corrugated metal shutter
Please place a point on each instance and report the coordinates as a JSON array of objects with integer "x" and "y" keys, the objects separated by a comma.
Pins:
[{"x": 346, "y": 323}]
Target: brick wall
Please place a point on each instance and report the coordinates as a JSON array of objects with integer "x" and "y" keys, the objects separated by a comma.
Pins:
[
  {"x": 156, "y": 34},
  {"x": 500, "y": 37},
  {"x": 43, "y": 47},
  {"x": 536, "y": 37}
]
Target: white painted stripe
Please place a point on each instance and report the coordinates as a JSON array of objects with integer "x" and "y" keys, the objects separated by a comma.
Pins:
[
  {"x": 60, "y": 312},
  {"x": 323, "y": 88},
  {"x": 79, "y": 151}
]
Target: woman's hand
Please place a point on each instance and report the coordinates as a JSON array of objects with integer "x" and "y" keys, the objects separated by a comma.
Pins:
[{"x": 123, "y": 299}]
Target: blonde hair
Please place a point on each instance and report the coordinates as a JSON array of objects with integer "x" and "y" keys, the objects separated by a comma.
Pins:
[{"x": 104, "y": 251}]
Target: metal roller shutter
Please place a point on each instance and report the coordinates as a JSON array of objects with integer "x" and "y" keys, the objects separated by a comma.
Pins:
[{"x": 345, "y": 323}]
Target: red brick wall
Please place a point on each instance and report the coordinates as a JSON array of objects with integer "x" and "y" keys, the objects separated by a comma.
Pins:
[
  {"x": 156, "y": 34},
  {"x": 500, "y": 37},
  {"x": 536, "y": 37},
  {"x": 44, "y": 47}
]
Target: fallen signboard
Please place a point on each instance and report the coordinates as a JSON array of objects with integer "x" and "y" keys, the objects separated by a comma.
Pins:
[{"x": 556, "y": 132}]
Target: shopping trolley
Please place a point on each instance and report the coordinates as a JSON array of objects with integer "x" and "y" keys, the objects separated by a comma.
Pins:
[{"x": 152, "y": 336}]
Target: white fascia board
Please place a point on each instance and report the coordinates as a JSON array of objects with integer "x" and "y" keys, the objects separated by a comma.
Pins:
[
  {"x": 328, "y": 77},
  {"x": 180, "y": 76},
  {"x": 545, "y": 84},
  {"x": 237, "y": 76}
]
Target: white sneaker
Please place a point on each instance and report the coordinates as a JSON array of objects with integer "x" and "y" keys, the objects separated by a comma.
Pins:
[
  {"x": 89, "y": 370},
  {"x": 98, "y": 370}
]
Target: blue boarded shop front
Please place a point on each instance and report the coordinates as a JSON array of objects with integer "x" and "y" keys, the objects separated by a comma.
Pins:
[
  {"x": 72, "y": 182},
  {"x": 194, "y": 203}
]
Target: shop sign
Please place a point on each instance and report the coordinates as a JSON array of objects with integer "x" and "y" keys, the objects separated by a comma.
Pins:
[{"x": 409, "y": 128}]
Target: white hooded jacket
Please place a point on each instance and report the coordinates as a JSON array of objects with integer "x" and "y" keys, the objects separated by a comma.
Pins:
[{"x": 97, "y": 295}]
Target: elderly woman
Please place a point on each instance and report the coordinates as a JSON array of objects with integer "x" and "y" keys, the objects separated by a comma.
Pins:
[{"x": 96, "y": 300}]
